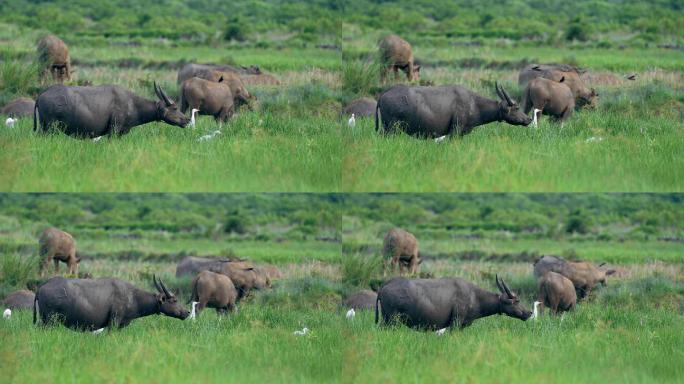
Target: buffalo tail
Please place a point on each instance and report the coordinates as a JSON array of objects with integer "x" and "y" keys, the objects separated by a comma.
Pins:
[
  {"x": 35, "y": 119},
  {"x": 377, "y": 302},
  {"x": 35, "y": 308},
  {"x": 377, "y": 118}
]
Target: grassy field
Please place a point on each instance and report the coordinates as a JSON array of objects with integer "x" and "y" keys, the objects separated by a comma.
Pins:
[
  {"x": 629, "y": 331},
  {"x": 289, "y": 143},
  {"x": 630, "y": 142}
]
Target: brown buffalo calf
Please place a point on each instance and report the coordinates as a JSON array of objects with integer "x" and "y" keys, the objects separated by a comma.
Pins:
[
  {"x": 56, "y": 246},
  {"x": 402, "y": 248},
  {"x": 214, "y": 290},
  {"x": 396, "y": 54},
  {"x": 557, "y": 292}
]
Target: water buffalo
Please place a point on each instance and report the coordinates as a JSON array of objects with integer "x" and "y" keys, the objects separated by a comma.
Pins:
[
  {"x": 22, "y": 299},
  {"x": 363, "y": 107},
  {"x": 396, "y": 54},
  {"x": 54, "y": 55},
  {"x": 442, "y": 303},
  {"x": 440, "y": 111},
  {"x": 21, "y": 107},
  {"x": 584, "y": 96},
  {"x": 532, "y": 71},
  {"x": 584, "y": 276},
  {"x": 56, "y": 245},
  {"x": 215, "y": 291},
  {"x": 209, "y": 97},
  {"x": 209, "y": 72},
  {"x": 104, "y": 110},
  {"x": 550, "y": 97},
  {"x": 402, "y": 248},
  {"x": 557, "y": 292},
  {"x": 93, "y": 304},
  {"x": 241, "y": 273},
  {"x": 364, "y": 299}
]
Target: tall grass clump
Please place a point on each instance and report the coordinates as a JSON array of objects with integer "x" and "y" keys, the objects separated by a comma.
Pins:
[
  {"x": 360, "y": 78},
  {"x": 359, "y": 270},
  {"x": 15, "y": 271},
  {"x": 17, "y": 79}
]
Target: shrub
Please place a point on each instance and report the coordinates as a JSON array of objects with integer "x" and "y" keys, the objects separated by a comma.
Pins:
[
  {"x": 360, "y": 77},
  {"x": 358, "y": 270}
]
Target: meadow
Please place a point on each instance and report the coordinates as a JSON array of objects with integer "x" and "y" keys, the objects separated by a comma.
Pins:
[
  {"x": 628, "y": 143},
  {"x": 290, "y": 142},
  {"x": 629, "y": 331}
]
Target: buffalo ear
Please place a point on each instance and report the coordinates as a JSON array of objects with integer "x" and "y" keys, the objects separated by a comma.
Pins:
[
  {"x": 220, "y": 79},
  {"x": 610, "y": 272},
  {"x": 562, "y": 79}
]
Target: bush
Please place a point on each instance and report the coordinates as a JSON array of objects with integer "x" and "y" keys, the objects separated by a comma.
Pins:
[
  {"x": 360, "y": 78},
  {"x": 578, "y": 222},
  {"x": 358, "y": 270},
  {"x": 16, "y": 270},
  {"x": 17, "y": 79}
]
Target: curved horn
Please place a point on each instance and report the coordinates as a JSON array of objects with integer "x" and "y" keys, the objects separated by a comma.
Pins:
[
  {"x": 164, "y": 96},
  {"x": 601, "y": 265},
  {"x": 156, "y": 285},
  {"x": 166, "y": 291},
  {"x": 498, "y": 93},
  {"x": 498, "y": 284},
  {"x": 508, "y": 98},
  {"x": 508, "y": 291}
]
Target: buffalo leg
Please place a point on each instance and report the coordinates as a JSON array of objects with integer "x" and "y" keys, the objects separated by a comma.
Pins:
[
  {"x": 56, "y": 261},
  {"x": 414, "y": 265}
]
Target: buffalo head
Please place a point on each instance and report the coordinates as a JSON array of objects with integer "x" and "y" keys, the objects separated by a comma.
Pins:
[
  {"x": 167, "y": 110},
  {"x": 168, "y": 304},
  {"x": 587, "y": 98},
  {"x": 509, "y": 303},
  {"x": 509, "y": 111}
]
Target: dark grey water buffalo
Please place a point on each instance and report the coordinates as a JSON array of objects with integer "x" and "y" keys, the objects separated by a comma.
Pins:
[
  {"x": 584, "y": 276},
  {"x": 440, "y": 111},
  {"x": 532, "y": 71},
  {"x": 191, "y": 265},
  {"x": 441, "y": 303},
  {"x": 557, "y": 292},
  {"x": 21, "y": 107},
  {"x": 363, "y": 107},
  {"x": 22, "y": 299},
  {"x": 213, "y": 290},
  {"x": 364, "y": 299},
  {"x": 105, "y": 110},
  {"x": 552, "y": 98},
  {"x": 93, "y": 304},
  {"x": 212, "y": 72}
]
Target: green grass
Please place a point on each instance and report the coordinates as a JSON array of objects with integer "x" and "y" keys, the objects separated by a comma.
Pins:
[
  {"x": 600, "y": 342},
  {"x": 636, "y": 153}
]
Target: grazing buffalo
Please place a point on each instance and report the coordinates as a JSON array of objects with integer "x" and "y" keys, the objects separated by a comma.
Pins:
[
  {"x": 22, "y": 299},
  {"x": 241, "y": 273},
  {"x": 400, "y": 248},
  {"x": 240, "y": 94},
  {"x": 21, "y": 107},
  {"x": 363, "y": 107},
  {"x": 93, "y": 304},
  {"x": 213, "y": 290},
  {"x": 364, "y": 299},
  {"x": 105, "y": 110},
  {"x": 440, "y": 111},
  {"x": 557, "y": 292},
  {"x": 56, "y": 245},
  {"x": 532, "y": 71},
  {"x": 396, "y": 54},
  {"x": 552, "y": 98},
  {"x": 442, "y": 303},
  {"x": 210, "y": 72},
  {"x": 208, "y": 97},
  {"x": 54, "y": 56},
  {"x": 584, "y": 96},
  {"x": 584, "y": 276}
]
